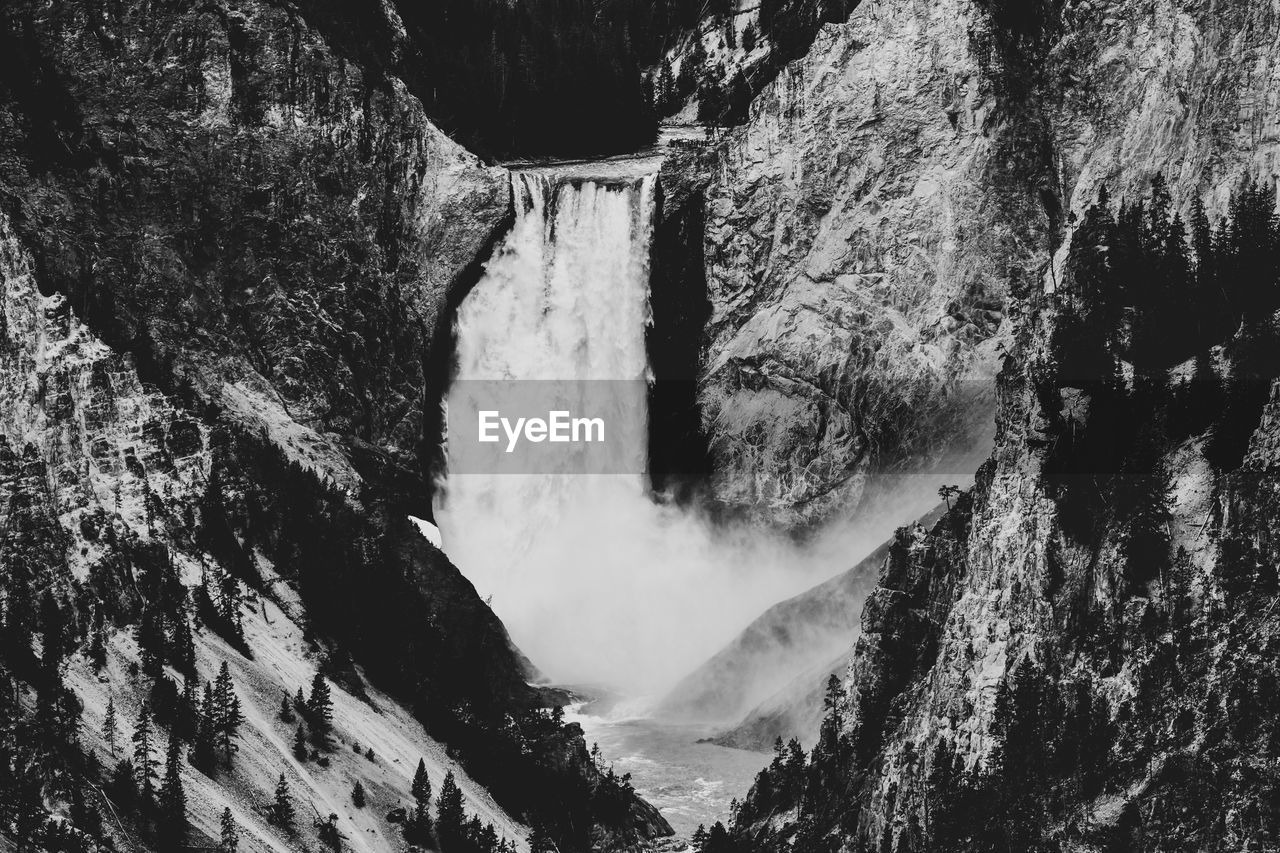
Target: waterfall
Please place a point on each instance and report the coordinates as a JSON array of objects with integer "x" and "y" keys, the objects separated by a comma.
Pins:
[{"x": 595, "y": 581}]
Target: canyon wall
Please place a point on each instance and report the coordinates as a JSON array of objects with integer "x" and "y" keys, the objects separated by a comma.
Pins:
[
  {"x": 856, "y": 299},
  {"x": 1002, "y": 631}
]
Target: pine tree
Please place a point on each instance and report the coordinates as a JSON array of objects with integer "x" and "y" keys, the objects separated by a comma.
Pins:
[
  {"x": 230, "y": 834},
  {"x": 417, "y": 827},
  {"x": 282, "y": 814},
  {"x": 286, "y": 712},
  {"x": 204, "y": 748},
  {"x": 357, "y": 795},
  {"x": 421, "y": 788},
  {"x": 300, "y": 744},
  {"x": 320, "y": 709},
  {"x": 230, "y": 601},
  {"x": 183, "y": 647},
  {"x": 110, "y": 727},
  {"x": 52, "y": 631},
  {"x": 150, "y": 639},
  {"x": 143, "y": 754},
  {"x": 229, "y": 717},
  {"x": 123, "y": 786},
  {"x": 664, "y": 89},
  {"x": 1207, "y": 304},
  {"x": 173, "y": 800},
  {"x": 450, "y": 813}
]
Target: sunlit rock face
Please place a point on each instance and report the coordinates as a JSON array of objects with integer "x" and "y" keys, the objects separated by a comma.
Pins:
[{"x": 856, "y": 262}]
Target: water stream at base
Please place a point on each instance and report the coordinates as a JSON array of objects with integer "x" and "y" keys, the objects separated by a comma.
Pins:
[{"x": 691, "y": 783}]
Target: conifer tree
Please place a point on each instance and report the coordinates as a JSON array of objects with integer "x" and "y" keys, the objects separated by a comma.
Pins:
[
  {"x": 122, "y": 785},
  {"x": 110, "y": 726},
  {"x": 52, "y": 631},
  {"x": 421, "y": 788},
  {"x": 320, "y": 708},
  {"x": 286, "y": 711},
  {"x": 144, "y": 761},
  {"x": 150, "y": 639},
  {"x": 183, "y": 647},
  {"x": 418, "y": 825},
  {"x": 229, "y": 717},
  {"x": 173, "y": 799},
  {"x": 230, "y": 601},
  {"x": 357, "y": 795},
  {"x": 282, "y": 814},
  {"x": 540, "y": 840},
  {"x": 450, "y": 813},
  {"x": 300, "y": 744},
  {"x": 230, "y": 842},
  {"x": 204, "y": 752}
]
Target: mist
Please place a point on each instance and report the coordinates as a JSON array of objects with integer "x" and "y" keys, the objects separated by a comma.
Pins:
[{"x": 600, "y": 585}]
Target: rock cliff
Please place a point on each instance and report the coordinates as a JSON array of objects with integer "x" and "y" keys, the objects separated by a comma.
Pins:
[{"x": 855, "y": 303}]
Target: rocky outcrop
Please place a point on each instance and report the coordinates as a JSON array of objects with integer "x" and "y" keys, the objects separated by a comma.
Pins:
[{"x": 856, "y": 291}]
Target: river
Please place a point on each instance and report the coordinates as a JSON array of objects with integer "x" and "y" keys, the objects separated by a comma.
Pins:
[{"x": 691, "y": 783}]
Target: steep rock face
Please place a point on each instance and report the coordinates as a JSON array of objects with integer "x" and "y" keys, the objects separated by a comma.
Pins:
[
  {"x": 852, "y": 291},
  {"x": 970, "y": 615}
]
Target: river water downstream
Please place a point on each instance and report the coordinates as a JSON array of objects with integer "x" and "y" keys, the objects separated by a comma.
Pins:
[{"x": 691, "y": 783}]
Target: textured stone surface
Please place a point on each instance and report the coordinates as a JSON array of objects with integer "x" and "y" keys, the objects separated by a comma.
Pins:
[{"x": 855, "y": 261}]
